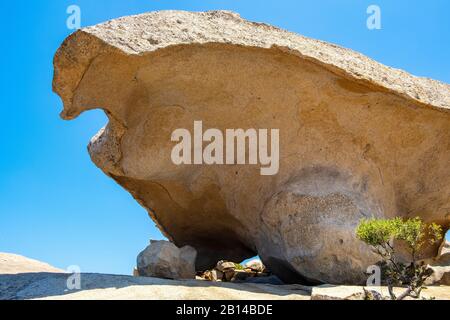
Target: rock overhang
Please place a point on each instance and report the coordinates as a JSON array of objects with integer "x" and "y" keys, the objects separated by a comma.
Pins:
[
  {"x": 159, "y": 61},
  {"x": 150, "y": 32}
]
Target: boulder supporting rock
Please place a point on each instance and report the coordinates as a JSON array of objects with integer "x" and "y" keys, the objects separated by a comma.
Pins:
[{"x": 162, "y": 259}]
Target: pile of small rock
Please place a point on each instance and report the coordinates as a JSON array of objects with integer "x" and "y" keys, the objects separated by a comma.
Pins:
[
  {"x": 162, "y": 259},
  {"x": 253, "y": 271}
]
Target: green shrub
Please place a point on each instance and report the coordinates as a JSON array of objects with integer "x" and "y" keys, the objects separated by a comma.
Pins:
[
  {"x": 380, "y": 234},
  {"x": 239, "y": 266}
]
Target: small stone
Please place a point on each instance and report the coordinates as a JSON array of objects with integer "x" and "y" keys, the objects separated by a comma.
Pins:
[
  {"x": 216, "y": 275},
  {"x": 207, "y": 275},
  {"x": 229, "y": 274},
  {"x": 255, "y": 265},
  {"x": 225, "y": 265}
]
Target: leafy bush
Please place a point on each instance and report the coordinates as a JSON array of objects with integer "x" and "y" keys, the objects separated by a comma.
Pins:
[
  {"x": 239, "y": 266},
  {"x": 380, "y": 234}
]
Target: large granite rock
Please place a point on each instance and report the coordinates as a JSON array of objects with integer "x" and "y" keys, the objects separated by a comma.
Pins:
[
  {"x": 357, "y": 138},
  {"x": 163, "y": 259}
]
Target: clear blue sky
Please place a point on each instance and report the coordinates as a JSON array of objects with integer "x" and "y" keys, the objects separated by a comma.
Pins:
[{"x": 55, "y": 205}]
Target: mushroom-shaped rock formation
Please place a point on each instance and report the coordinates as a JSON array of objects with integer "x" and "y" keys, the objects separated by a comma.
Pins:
[{"x": 356, "y": 138}]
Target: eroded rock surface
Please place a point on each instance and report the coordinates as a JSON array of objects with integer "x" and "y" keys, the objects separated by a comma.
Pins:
[{"x": 357, "y": 138}]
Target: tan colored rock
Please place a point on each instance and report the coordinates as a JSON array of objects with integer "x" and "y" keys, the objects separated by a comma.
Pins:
[
  {"x": 330, "y": 292},
  {"x": 229, "y": 274},
  {"x": 444, "y": 252},
  {"x": 357, "y": 138},
  {"x": 16, "y": 264},
  {"x": 48, "y": 286},
  {"x": 213, "y": 275},
  {"x": 187, "y": 291},
  {"x": 163, "y": 259},
  {"x": 440, "y": 276},
  {"x": 440, "y": 266},
  {"x": 225, "y": 265},
  {"x": 255, "y": 265},
  {"x": 217, "y": 275},
  {"x": 207, "y": 275}
]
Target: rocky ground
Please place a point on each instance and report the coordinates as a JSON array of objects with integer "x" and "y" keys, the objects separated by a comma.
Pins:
[
  {"x": 22, "y": 278},
  {"x": 104, "y": 287}
]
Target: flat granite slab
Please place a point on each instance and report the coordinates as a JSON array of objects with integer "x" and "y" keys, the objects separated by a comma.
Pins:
[
  {"x": 330, "y": 292},
  {"x": 51, "y": 286}
]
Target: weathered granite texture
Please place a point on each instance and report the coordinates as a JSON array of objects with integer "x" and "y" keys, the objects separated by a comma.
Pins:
[{"x": 357, "y": 138}]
